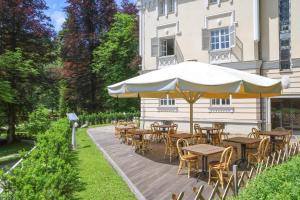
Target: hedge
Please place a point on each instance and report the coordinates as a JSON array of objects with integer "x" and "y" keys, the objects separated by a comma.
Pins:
[
  {"x": 49, "y": 172},
  {"x": 105, "y": 118},
  {"x": 279, "y": 182}
]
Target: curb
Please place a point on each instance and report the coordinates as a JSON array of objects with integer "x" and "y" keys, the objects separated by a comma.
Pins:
[{"x": 131, "y": 186}]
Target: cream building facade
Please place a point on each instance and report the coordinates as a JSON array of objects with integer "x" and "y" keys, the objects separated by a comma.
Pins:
[{"x": 257, "y": 36}]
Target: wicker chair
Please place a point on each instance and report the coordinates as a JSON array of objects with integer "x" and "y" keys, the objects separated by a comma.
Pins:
[
  {"x": 220, "y": 166},
  {"x": 170, "y": 147},
  {"x": 253, "y": 134},
  {"x": 261, "y": 154},
  {"x": 199, "y": 137},
  {"x": 186, "y": 158},
  {"x": 282, "y": 142},
  {"x": 141, "y": 143},
  {"x": 156, "y": 134}
]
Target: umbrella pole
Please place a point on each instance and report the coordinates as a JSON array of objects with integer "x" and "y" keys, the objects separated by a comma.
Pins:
[{"x": 191, "y": 118}]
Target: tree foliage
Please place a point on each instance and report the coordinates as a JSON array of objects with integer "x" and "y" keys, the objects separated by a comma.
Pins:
[
  {"x": 25, "y": 35},
  {"x": 38, "y": 122},
  {"x": 86, "y": 21},
  {"x": 115, "y": 60},
  {"x": 17, "y": 74}
]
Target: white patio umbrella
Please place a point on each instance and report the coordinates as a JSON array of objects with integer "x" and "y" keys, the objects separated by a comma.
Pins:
[{"x": 193, "y": 80}]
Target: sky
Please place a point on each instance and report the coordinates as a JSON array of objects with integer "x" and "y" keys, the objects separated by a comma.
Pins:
[{"x": 56, "y": 13}]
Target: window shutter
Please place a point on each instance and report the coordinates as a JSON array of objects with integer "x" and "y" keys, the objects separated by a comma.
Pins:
[
  {"x": 232, "y": 36},
  {"x": 154, "y": 47},
  {"x": 205, "y": 39}
]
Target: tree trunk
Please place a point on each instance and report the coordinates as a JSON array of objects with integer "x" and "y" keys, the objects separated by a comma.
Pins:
[{"x": 11, "y": 115}]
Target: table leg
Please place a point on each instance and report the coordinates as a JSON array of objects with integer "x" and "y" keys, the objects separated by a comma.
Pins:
[
  {"x": 272, "y": 138},
  {"x": 204, "y": 168},
  {"x": 243, "y": 159}
]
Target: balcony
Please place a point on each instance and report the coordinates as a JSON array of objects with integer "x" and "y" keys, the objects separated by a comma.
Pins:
[
  {"x": 220, "y": 56},
  {"x": 166, "y": 60}
]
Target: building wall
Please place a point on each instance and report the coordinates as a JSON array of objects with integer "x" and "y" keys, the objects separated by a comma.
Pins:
[{"x": 186, "y": 25}]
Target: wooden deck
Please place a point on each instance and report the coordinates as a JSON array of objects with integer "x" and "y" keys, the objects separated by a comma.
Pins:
[{"x": 152, "y": 175}]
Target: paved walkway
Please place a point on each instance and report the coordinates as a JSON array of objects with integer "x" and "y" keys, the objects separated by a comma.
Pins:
[{"x": 150, "y": 176}]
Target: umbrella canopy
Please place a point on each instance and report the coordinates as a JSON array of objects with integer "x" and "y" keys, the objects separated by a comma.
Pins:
[{"x": 193, "y": 80}]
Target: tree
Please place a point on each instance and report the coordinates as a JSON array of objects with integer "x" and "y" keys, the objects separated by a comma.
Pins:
[
  {"x": 24, "y": 25},
  {"x": 86, "y": 21},
  {"x": 128, "y": 7},
  {"x": 17, "y": 73},
  {"x": 26, "y": 33},
  {"x": 113, "y": 60}
]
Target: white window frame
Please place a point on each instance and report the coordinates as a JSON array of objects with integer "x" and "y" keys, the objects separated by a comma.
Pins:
[
  {"x": 167, "y": 102},
  {"x": 163, "y": 46},
  {"x": 221, "y": 104},
  {"x": 219, "y": 37}
]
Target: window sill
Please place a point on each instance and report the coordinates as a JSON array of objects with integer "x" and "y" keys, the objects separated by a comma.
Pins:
[
  {"x": 169, "y": 56},
  {"x": 219, "y": 50},
  {"x": 286, "y": 71},
  {"x": 221, "y": 109},
  {"x": 167, "y": 109}
]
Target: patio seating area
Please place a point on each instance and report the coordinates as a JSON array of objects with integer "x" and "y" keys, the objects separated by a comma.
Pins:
[{"x": 161, "y": 160}]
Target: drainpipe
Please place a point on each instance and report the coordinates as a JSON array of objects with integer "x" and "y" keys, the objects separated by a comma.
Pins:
[{"x": 256, "y": 37}]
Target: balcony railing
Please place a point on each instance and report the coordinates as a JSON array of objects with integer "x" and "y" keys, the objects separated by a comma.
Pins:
[
  {"x": 167, "y": 60},
  {"x": 220, "y": 56}
]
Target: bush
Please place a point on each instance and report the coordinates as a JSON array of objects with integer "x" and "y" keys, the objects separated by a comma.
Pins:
[
  {"x": 39, "y": 121},
  {"x": 105, "y": 118},
  {"x": 279, "y": 182},
  {"x": 49, "y": 172}
]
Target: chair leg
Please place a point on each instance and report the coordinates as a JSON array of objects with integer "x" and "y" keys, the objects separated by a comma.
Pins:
[
  {"x": 180, "y": 166},
  {"x": 209, "y": 176},
  {"x": 189, "y": 169},
  {"x": 221, "y": 178}
]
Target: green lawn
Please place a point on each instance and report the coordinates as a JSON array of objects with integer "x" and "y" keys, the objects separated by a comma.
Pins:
[
  {"x": 8, "y": 149},
  {"x": 101, "y": 181}
]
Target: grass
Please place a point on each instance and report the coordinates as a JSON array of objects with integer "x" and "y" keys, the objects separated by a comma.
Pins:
[
  {"x": 8, "y": 149},
  {"x": 101, "y": 181}
]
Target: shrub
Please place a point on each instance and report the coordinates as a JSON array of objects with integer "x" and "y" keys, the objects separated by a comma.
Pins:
[
  {"x": 105, "y": 118},
  {"x": 280, "y": 182},
  {"x": 39, "y": 121},
  {"x": 49, "y": 172}
]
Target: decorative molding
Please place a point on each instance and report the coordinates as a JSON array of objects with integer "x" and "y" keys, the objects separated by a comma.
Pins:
[
  {"x": 224, "y": 14},
  {"x": 255, "y": 64},
  {"x": 167, "y": 109},
  {"x": 221, "y": 109}
]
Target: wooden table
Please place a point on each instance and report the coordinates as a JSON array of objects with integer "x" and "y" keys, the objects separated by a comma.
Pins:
[
  {"x": 204, "y": 150},
  {"x": 181, "y": 135},
  {"x": 209, "y": 131},
  {"x": 243, "y": 141},
  {"x": 273, "y": 135}
]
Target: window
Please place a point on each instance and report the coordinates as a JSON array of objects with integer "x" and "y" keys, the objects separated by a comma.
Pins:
[
  {"x": 212, "y": 1},
  {"x": 171, "y": 6},
  {"x": 285, "y": 34},
  {"x": 167, "y": 47},
  {"x": 167, "y": 102},
  {"x": 221, "y": 102},
  {"x": 219, "y": 39},
  {"x": 161, "y": 7}
]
